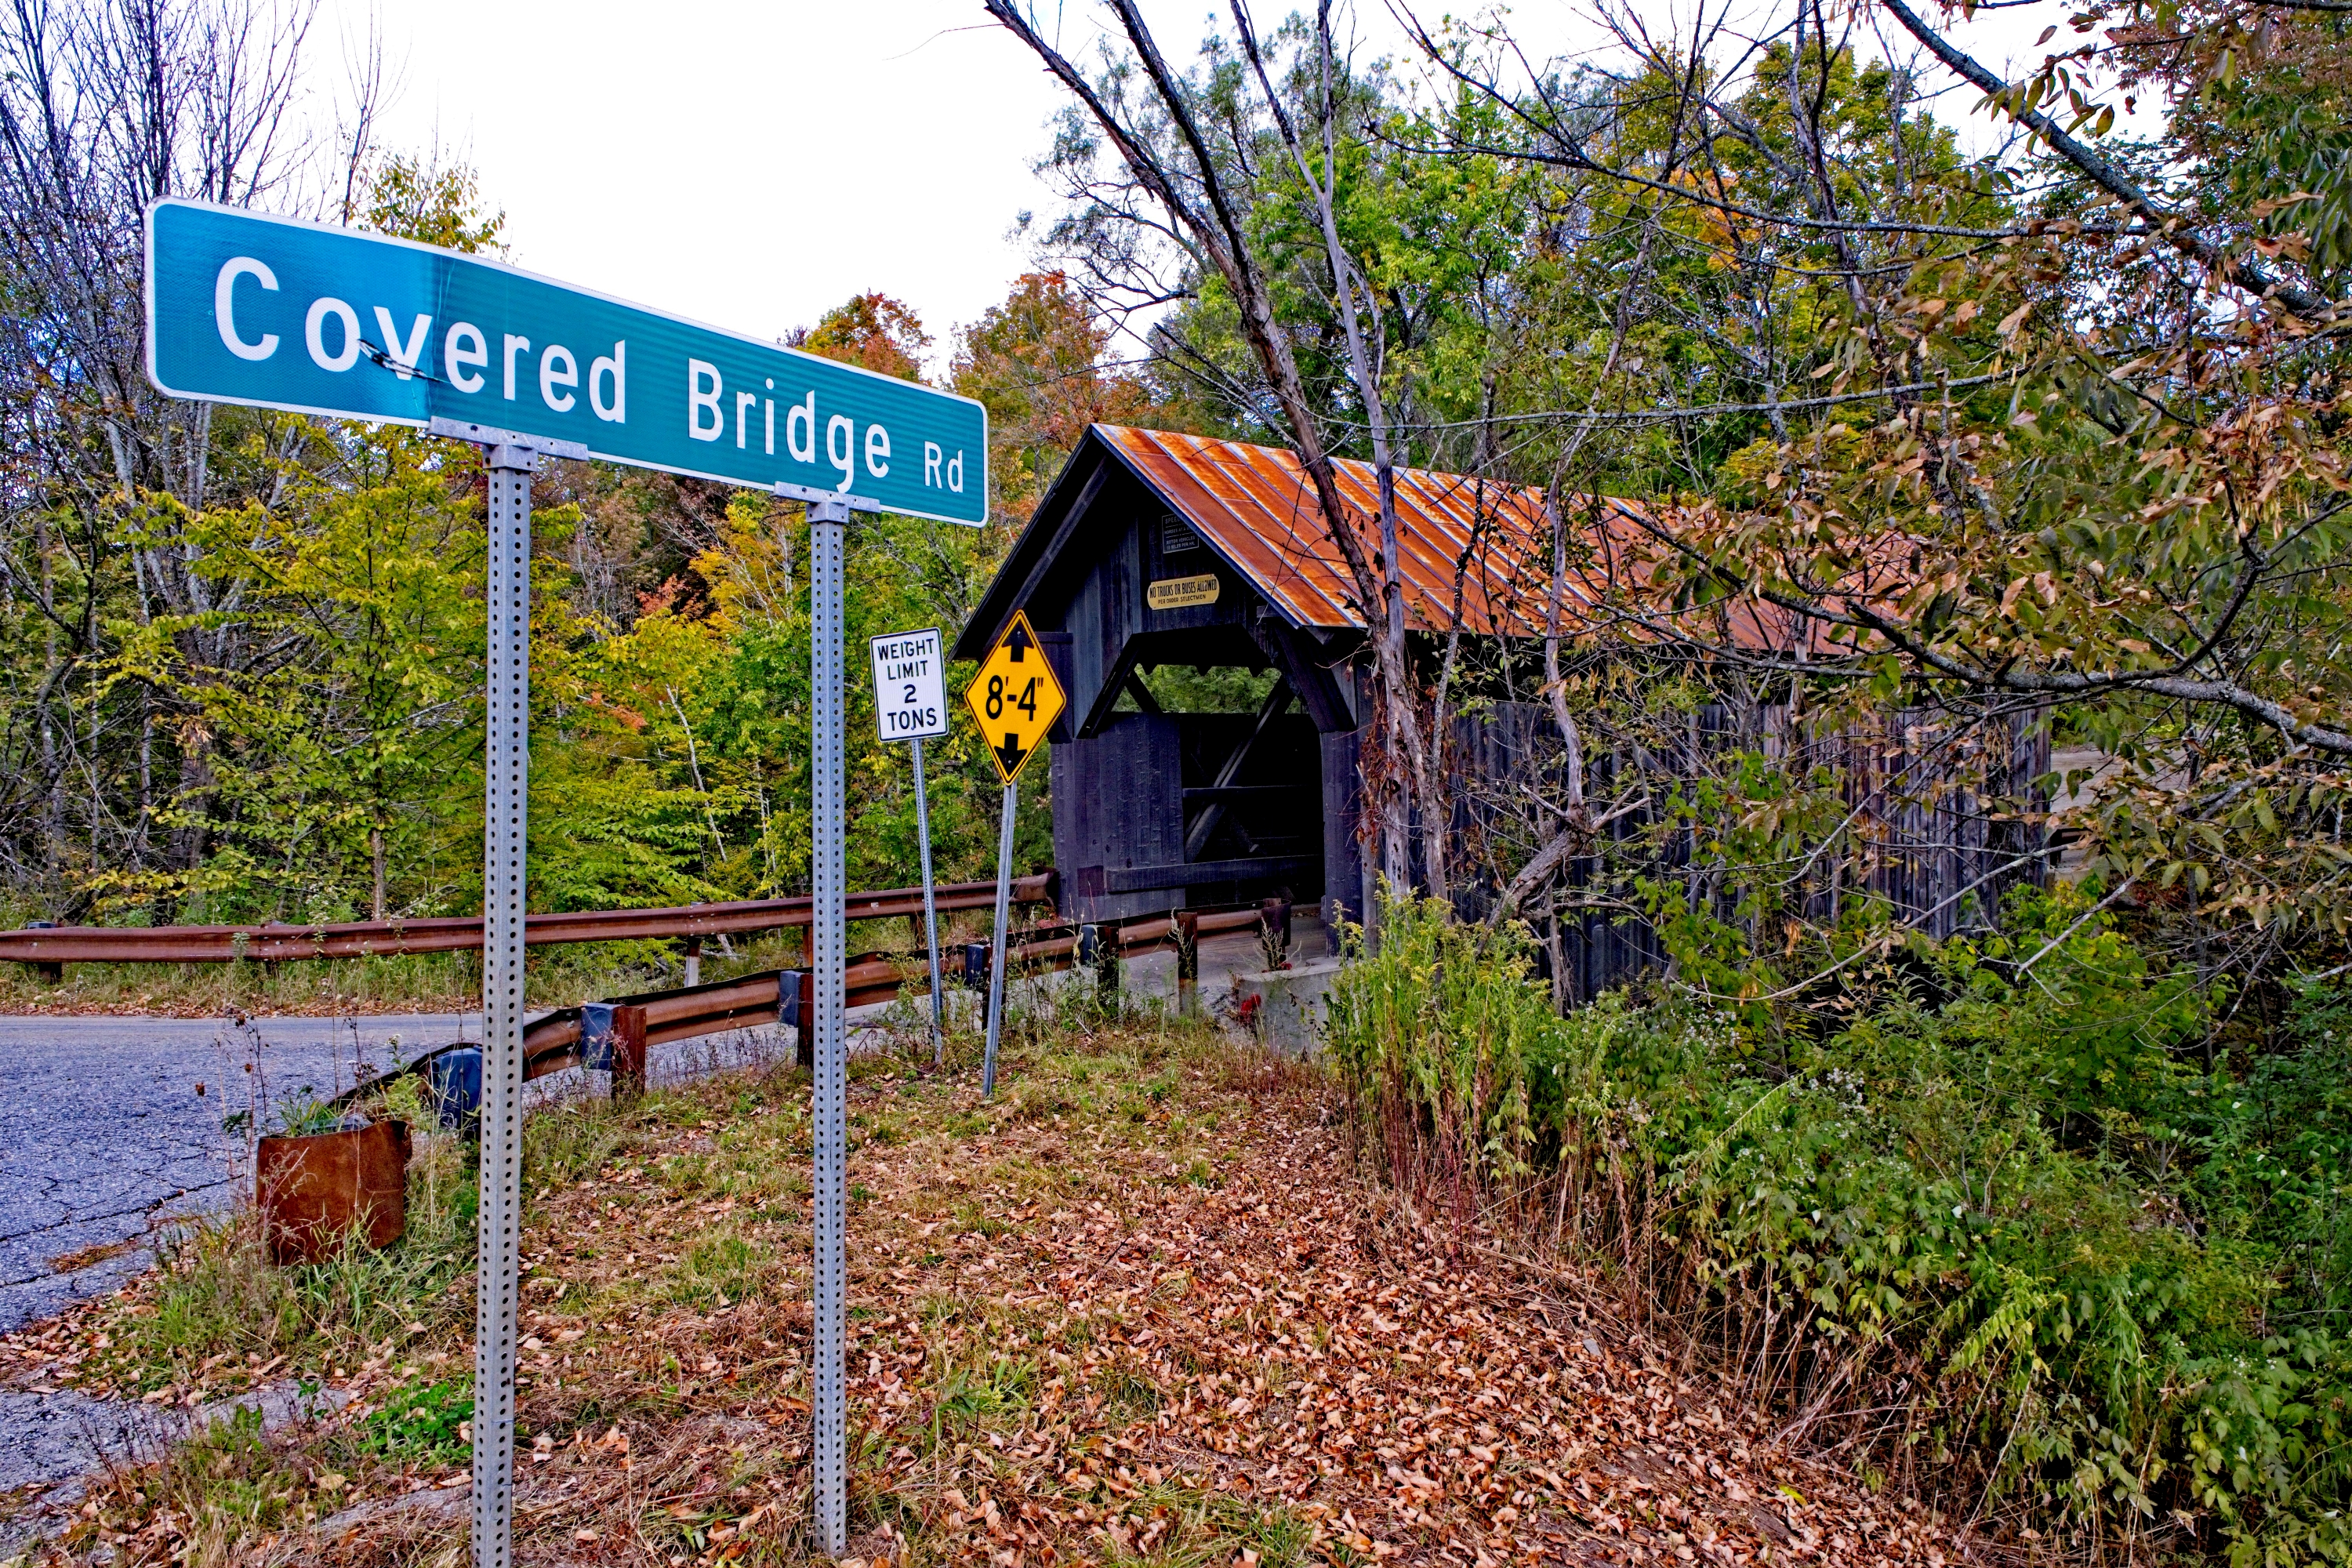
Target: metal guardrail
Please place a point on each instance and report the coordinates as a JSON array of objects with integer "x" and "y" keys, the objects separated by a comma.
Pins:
[
  {"x": 52, "y": 945},
  {"x": 550, "y": 1042},
  {"x": 565, "y": 1037}
]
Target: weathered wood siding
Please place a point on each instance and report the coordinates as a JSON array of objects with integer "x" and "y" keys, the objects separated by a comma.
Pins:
[{"x": 1941, "y": 820}]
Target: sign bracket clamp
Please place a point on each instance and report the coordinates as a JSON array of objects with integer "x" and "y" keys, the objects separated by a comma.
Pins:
[
  {"x": 492, "y": 439},
  {"x": 785, "y": 489}
]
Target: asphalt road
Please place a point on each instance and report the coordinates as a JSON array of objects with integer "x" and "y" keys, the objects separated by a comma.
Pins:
[
  {"x": 106, "y": 1136},
  {"x": 106, "y": 1132},
  {"x": 107, "y": 1140}
]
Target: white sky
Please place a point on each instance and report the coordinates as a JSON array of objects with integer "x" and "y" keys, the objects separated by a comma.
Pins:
[
  {"x": 751, "y": 164},
  {"x": 748, "y": 165}
]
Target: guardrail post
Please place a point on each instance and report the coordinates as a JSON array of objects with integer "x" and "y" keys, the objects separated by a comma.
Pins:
[
  {"x": 1274, "y": 916},
  {"x": 628, "y": 1054},
  {"x": 693, "y": 962},
  {"x": 597, "y": 1036},
  {"x": 796, "y": 1011},
  {"x": 1098, "y": 950},
  {"x": 55, "y": 973},
  {"x": 453, "y": 1082}
]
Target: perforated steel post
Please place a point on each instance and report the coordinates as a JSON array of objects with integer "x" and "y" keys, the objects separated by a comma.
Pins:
[
  {"x": 497, "y": 1261},
  {"x": 996, "y": 949},
  {"x": 930, "y": 913},
  {"x": 828, "y": 947}
]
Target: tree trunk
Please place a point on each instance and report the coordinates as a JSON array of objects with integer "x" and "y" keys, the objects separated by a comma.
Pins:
[{"x": 375, "y": 853}]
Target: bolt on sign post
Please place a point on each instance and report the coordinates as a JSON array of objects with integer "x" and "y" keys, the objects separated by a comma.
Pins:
[
  {"x": 276, "y": 313},
  {"x": 910, "y": 704},
  {"x": 1017, "y": 699}
]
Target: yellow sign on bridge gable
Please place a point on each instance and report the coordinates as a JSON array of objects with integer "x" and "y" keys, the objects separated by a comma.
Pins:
[{"x": 1016, "y": 696}]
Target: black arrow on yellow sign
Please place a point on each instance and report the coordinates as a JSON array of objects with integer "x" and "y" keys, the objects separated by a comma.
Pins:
[{"x": 1016, "y": 696}]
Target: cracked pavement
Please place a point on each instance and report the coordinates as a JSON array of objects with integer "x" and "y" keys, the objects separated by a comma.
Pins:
[
  {"x": 107, "y": 1136},
  {"x": 109, "y": 1141}
]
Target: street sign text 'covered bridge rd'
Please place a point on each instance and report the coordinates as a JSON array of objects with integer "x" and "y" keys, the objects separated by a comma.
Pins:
[{"x": 279, "y": 315}]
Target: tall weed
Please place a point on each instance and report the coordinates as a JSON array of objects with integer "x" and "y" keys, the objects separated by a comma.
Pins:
[{"x": 2003, "y": 1246}]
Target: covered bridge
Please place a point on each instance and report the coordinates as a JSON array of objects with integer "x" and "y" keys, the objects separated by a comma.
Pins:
[
  {"x": 1152, "y": 548},
  {"x": 1155, "y": 549}
]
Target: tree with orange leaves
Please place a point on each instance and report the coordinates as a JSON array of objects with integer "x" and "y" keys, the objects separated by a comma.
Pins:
[
  {"x": 873, "y": 331},
  {"x": 1036, "y": 361}
]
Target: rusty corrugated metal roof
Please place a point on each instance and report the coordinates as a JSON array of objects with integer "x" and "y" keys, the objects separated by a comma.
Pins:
[{"x": 1490, "y": 541}]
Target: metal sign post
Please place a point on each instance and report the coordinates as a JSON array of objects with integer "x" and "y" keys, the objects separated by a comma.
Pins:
[
  {"x": 828, "y": 945},
  {"x": 498, "y": 1273},
  {"x": 930, "y": 913},
  {"x": 1016, "y": 698},
  {"x": 996, "y": 947},
  {"x": 910, "y": 703}
]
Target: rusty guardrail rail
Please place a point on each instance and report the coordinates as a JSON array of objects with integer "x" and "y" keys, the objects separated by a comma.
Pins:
[
  {"x": 618, "y": 1038},
  {"x": 52, "y": 945},
  {"x": 550, "y": 1042}
]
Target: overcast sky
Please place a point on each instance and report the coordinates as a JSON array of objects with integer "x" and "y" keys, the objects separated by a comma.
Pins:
[
  {"x": 744, "y": 164},
  {"x": 751, "y": 164}
]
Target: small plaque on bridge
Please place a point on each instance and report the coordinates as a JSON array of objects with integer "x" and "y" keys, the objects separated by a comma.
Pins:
[{"x": 1182, "y": 593}]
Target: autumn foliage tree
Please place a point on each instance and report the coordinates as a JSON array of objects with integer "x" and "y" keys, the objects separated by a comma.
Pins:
[
  {"x": 1037, "y": 362},
  {"x": 872, "y": 331}
]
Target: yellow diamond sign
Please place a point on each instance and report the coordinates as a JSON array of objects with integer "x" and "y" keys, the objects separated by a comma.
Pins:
[{"x": 1016, "y": 698}]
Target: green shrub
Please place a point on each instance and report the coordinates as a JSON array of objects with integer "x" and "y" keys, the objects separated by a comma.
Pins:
[
  {"x": 424, "y": 1423},
  {"x": 305, "y": 1116},
  {"x": 1999, "y": 1236}
]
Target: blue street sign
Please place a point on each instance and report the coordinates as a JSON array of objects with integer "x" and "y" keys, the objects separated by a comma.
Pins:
[{"x": 246, "y": 308}]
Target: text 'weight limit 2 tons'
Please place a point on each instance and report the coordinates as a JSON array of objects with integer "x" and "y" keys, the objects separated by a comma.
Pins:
[
  {"x": 910, "y": 704},
  {"x": 1016, "y": 698},
  {"x": 910, "y": 689}
]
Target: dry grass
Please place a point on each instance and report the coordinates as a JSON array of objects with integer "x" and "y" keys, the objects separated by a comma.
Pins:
[{"x": 1140, "y": 1308}]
